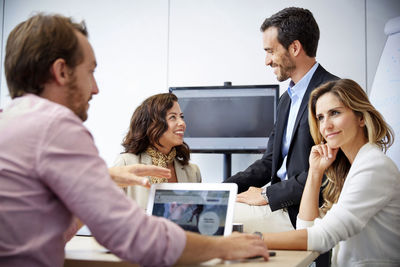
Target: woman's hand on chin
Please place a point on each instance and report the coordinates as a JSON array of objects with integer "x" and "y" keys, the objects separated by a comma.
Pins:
[{"x": 321, "y": 157}]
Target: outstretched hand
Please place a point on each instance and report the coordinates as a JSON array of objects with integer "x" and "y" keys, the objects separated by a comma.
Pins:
[
  {"x": 134, "y": 174},
  {"x": 252, "y": 197}
]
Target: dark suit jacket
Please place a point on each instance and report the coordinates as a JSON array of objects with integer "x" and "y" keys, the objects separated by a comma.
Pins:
[{"x": 285, "y": 194}]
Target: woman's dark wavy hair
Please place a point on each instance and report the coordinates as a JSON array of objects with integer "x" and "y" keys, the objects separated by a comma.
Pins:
[{"x": 148, "y": 124}]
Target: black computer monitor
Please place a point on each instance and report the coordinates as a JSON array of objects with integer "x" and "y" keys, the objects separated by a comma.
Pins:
[{"x": 228, "y": 118}]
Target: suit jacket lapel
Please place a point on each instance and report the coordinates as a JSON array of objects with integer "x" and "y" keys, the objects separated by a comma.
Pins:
[
  {"x": 145, "y": 159},
  {"x": 280, "y": 129},
  {"x": 304, "y": 102},
  {"x": 181, "y": 176}
]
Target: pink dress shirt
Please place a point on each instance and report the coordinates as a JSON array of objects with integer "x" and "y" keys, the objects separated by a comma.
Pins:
[{"x": 50, "y": 169}]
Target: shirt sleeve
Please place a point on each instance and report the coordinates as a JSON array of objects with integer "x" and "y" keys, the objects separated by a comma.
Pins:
[
  {"x": 367, "y": 189},
  {"x": 301, "y": 224},
  {"x": 69, "y": 164}
]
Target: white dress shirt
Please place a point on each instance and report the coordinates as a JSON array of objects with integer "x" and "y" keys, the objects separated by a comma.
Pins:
[{"x": 296, "y": 93}]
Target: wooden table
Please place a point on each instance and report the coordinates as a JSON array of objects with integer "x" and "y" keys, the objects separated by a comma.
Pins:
[{"x": 84, "y": 251}]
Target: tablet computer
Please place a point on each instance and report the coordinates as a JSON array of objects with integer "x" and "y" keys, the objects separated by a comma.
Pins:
[{"x": 204, "y": 208}]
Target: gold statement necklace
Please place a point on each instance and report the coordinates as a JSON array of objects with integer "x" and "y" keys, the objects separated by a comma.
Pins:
[{"x": 161, "y": 160}]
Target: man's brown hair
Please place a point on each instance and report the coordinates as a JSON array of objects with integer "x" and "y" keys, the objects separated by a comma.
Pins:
[{"x": 34, "y": 45}]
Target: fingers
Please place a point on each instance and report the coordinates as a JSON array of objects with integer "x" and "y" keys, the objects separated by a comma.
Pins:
[
  {"x": 241, "y": 194},
  {"x": 317, "y": 150},
  {"x": 240, "y": 198},
  {"x": 329, "y": 151},
  {"x": 324, "y": 150},
  {"x": 256, "y": 190},
  {"x": 244, "y": 197},
  {"x": 259, "y": 247},
  {"x": 252, "y": 197},
  {"x": 150, "y": 170},
  {"x": 145, "y": 182},
  {"x": 261, "y": 252},
  {"x": 133, "y": 180},
  {"x": 244, "y": 246}
]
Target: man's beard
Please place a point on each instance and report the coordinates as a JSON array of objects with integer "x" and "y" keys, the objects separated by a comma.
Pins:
[
  {"x": 285, "y": 68},
  {"x": 75, "y": 100}
]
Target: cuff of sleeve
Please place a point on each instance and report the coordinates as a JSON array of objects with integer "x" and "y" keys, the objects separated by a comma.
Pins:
[
  {"x": 265, "y": 186},
  {"x": 315, "y": 240},
  {"x": 301, "y": 224},
  {"x": 264, "y": 193}
]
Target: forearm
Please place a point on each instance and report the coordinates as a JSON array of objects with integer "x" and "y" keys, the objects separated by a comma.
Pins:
[
  {"x": 309, "y": 205},
  {"x": 291, "y": 240},
  {"x": 198, "y": 248}
]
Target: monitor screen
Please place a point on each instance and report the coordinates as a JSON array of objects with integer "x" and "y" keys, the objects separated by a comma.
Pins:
[
  {"x": 205, "y": 208},
  {"x": 231, "y": 118}
]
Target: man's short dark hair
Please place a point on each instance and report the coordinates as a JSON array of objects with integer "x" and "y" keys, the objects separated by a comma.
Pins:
[
  {"x": 34, "y": 45},
  {"x": 294, "y": 23}
]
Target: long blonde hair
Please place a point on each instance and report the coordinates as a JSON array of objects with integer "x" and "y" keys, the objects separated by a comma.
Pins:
[{"x": 376, "y": 130}]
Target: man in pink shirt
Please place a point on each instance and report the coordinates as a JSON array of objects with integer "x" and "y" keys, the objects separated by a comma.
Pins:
[{"x": 50, "y": 169}]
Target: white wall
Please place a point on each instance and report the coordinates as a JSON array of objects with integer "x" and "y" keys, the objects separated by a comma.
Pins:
[
  {"x": 378, "y": 13},
  {"x": 144, "y": 47},
  {"x": 130, "y": 42},
  {"x": 216, "y": 41}
]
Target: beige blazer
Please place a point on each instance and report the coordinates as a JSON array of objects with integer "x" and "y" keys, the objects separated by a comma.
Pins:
[{"x": 184, "y": 174}]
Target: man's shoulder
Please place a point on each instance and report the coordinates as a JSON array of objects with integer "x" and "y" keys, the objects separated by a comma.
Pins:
[
  {"x": 34, "y": 106},
  {"x": 124, "y": 159},
  {"x": 321, "y": 75},
  {"x": 34, "y": 115}
]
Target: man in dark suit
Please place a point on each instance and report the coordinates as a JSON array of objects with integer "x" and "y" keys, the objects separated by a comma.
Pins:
[{"x": 290, "y": 39}]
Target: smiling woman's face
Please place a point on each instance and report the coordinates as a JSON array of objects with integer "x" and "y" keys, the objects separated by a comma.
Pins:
[
  {"x": 173, "y": 136},
  {"x": 338, "y": 125}
]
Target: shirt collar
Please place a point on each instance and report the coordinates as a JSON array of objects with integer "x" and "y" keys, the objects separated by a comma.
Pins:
[{"x": 298, "y": 90}]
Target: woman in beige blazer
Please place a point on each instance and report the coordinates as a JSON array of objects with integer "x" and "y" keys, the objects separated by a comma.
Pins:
[{"x": 155, "y": 137}]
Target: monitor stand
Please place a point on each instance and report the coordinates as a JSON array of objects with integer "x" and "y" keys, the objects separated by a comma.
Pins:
[{"x": 227, "y": 165}]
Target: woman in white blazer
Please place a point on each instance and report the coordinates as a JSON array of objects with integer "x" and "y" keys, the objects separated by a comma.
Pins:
[
  {"x": 360, "y": 217},
  {"x": 155, "y": 137}
]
